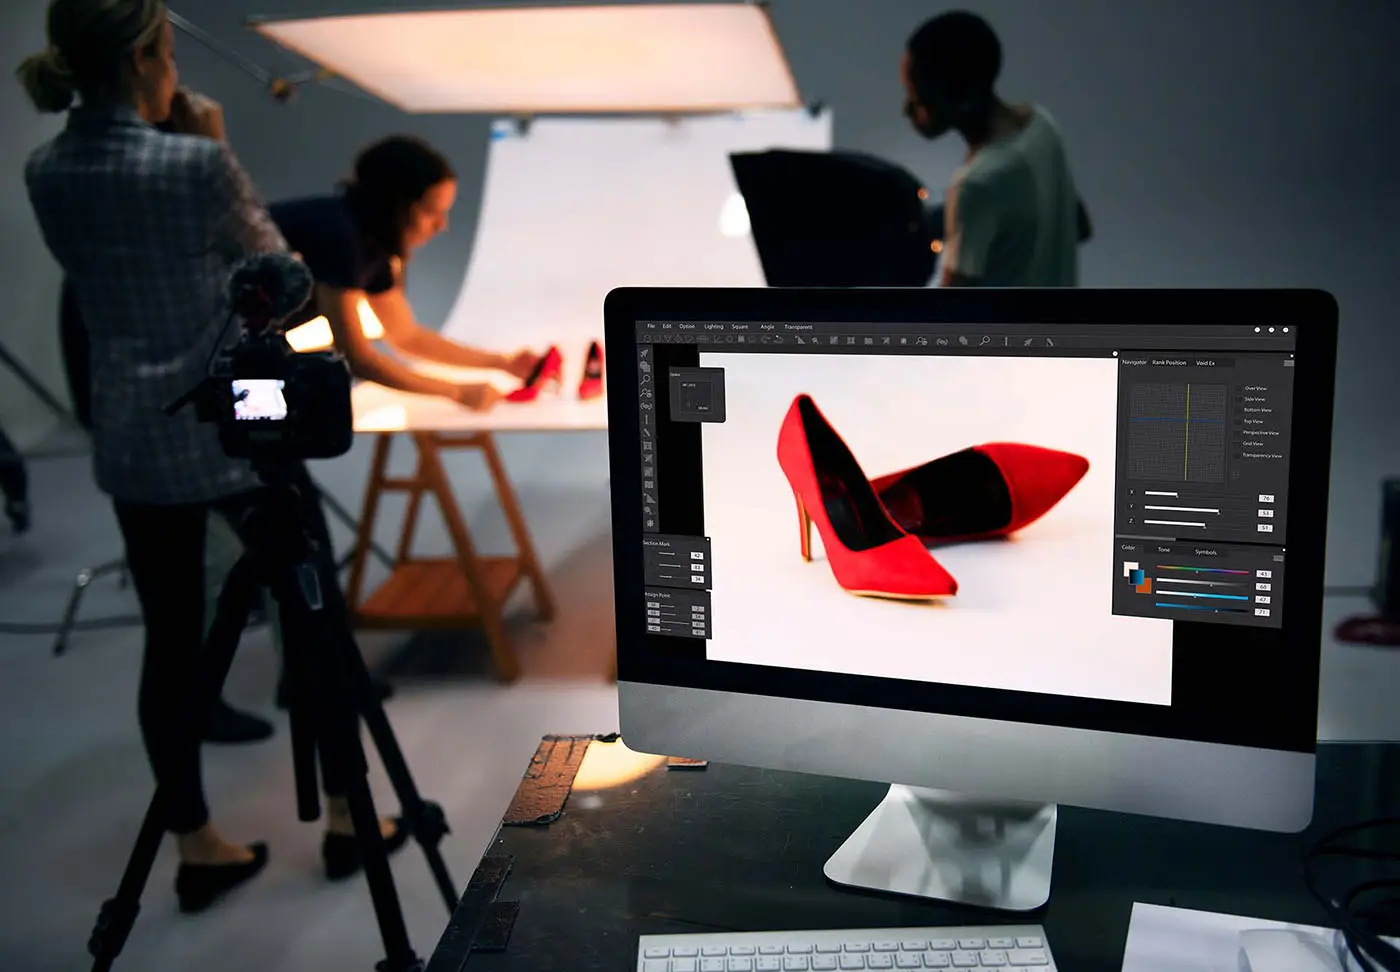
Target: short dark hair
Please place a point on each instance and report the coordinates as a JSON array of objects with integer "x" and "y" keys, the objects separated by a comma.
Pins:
[
  {"x": 390, "y": 176},
  {"x": 957, "y": 49}
]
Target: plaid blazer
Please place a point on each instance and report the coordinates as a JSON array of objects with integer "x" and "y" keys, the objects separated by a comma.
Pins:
[{"x": 147, "y": 227}]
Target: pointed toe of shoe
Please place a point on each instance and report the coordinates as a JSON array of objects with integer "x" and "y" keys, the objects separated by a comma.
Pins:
[
  {"x": 903, "y": 570},
  {"x": 198, "y": 886},
  {"x": 1037, "y": 478}
]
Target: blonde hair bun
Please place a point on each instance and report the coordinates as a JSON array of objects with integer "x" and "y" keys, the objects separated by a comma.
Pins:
[
  {"x": 47, "y": 81},
  {"x": 89, "y": 41}
]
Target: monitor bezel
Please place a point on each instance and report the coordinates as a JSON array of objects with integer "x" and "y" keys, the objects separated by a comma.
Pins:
[{"x": 1312, "y": 317}]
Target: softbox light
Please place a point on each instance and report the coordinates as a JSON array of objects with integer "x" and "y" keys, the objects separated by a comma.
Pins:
[
  {"x": 664, "y": 58},
  {"x": 837, "y": 219}
]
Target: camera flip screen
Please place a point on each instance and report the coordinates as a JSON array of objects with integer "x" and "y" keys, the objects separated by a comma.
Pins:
[{"x": 259, "y": 399}]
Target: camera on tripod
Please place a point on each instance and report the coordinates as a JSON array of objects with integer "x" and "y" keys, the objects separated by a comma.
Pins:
[
  {"x": 272, "y": 404},
  {"x": 277, "y": 407}
]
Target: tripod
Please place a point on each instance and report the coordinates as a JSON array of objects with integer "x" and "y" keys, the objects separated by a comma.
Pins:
[{"x": 330, "y": 690}]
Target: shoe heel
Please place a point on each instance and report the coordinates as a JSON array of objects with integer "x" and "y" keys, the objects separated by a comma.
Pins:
[
  {"x": 804, "y": 524},
  {"x": 198, "y": 886},
  {"x": 341, "y": 852}
]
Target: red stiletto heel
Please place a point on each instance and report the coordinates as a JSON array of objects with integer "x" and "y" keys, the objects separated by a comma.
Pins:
[
  {"x": 592, "y": 384},
  {"x": 548, "y": 372},
  {"x": 804, "y": 522},
  {"x": 987, "y": 491},
  {"x": 868, "y": 552}
]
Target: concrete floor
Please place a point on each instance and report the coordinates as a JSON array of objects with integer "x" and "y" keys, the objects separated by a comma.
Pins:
[{"x": 74, "y": 781}]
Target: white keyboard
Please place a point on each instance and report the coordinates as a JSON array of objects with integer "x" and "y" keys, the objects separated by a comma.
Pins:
[{"x": 1005, "y": 947}]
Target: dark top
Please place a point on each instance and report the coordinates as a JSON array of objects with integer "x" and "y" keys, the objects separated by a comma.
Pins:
[
  {"x": 323, "y": 231},
  {"x": 73, "y": 338},
  {"x": 147, "y": 226},
  {"x": 77, "y": 351}
]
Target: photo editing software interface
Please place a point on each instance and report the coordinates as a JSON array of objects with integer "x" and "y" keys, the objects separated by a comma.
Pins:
[{"x": 1073, "y": 493}]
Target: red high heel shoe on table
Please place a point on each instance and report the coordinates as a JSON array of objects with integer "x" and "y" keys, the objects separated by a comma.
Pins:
[
  {"x": 987, "y": 491},
  {"x": 592, "y": 384},
  {"x": 548, "y": 373},
  {"x": 868, "y": 552}
]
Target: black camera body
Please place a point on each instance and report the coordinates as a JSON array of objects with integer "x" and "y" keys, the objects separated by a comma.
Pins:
[{"x": 273, "y": 404}]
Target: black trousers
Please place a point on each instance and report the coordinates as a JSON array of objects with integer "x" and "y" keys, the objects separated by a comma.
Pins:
[{"x": 165, "y": 557}]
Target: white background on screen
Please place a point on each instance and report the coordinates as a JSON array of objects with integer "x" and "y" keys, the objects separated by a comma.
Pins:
[
  {"x": 263, "y": 399},
  {"x": 1032, "y": 614}
]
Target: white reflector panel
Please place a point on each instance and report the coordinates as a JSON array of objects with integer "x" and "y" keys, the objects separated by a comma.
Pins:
[{"x": 672, "y": 57}]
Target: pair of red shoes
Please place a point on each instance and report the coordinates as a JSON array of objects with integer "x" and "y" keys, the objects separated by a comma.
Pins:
[
  {"x": 549, "y": 373},
  {"x": 876, "y": 534}
]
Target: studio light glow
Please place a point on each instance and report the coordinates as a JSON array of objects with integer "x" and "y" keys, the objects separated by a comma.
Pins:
[{"x": 315, "y": 334}]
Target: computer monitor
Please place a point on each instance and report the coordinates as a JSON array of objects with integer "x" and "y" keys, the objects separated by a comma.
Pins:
[{"x": 1004, "y": 548}]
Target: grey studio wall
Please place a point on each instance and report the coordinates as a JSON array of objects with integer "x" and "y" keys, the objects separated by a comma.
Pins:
[
  {"x": 1217, "y": 143},
  {"x": 28, "y": 277}
]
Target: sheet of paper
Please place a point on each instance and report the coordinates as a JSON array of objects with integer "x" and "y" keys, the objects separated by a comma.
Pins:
[
  {"x": 1162, "y": 939},
  {"x": 578, "y": 206}
]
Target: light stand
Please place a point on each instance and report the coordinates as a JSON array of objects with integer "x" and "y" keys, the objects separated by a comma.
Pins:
[{"x": 35, "y": 386}]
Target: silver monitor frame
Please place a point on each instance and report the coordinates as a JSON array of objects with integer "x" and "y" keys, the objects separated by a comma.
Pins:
[{"x": 1013, "y": 771}]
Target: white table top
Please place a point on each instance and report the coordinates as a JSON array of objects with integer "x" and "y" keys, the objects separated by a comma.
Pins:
[{"x": 380, "y": 409}]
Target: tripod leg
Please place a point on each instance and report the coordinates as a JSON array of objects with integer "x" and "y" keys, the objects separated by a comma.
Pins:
[
  {"x": 330, "y": 698},
  {"x": 342, "y": 744},
  {"x": 118, "y": 914},
  {"x": 425, "y": 820},
  {"x": 302, "y": 724},
  {"x": 70, "y": 613},
  {"x": 294, "y": 614},
  {"x": 399, "y": 955}
]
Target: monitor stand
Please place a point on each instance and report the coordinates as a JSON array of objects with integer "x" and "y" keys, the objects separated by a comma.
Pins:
[{"x": 945, "y": 846}]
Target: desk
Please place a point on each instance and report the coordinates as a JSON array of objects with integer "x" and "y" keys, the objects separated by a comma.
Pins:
[
  {"x": 467, "y": 588},
  {"x": 732, "y": 848}
]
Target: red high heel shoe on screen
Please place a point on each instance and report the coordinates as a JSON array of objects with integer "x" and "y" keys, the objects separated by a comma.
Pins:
[
  {"x": 549, "y": 371},
  {"x": 987, "y": 491},
  {"x": 592, "y": 384},
  {"x": 869, "y": 554}
]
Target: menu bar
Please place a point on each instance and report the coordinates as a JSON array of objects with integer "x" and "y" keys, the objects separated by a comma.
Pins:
[{"x": 886, "y": 338}]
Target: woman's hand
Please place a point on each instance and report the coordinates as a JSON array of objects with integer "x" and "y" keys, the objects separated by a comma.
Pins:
[
  {"x": 520, "y": 365},
  {"x": 478, "y": 398},
  {"x": 192, "y": 113}
]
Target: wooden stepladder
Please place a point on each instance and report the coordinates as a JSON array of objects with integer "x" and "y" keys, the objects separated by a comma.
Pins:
[{"x": 444, "y": 593}]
